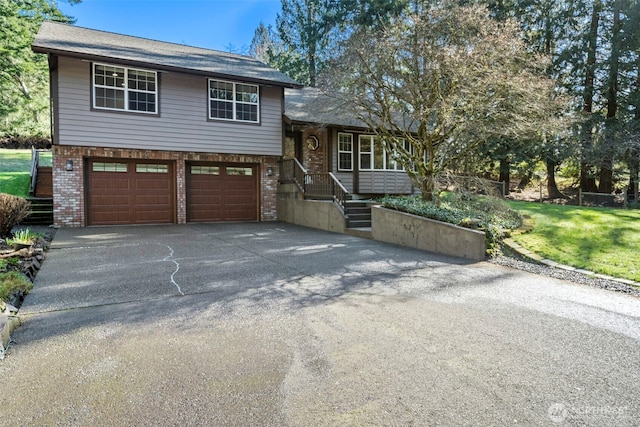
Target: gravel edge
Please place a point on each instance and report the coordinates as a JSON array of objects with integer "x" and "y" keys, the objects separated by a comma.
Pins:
[{"x": 510, "y": 259}]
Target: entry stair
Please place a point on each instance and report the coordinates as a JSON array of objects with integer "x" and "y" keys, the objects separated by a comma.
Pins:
[
  {"x": 357, "y": 214},
  {"x": 40, "y": 192},
  {"x": 326, "y": 186}
]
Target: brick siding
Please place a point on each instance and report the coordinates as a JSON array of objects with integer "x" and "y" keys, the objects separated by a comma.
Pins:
[
  {"x": 314, "y": 160},
  {"x": 69, "y": 209}
]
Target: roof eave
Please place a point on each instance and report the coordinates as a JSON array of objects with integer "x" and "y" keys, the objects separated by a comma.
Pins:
[{"x": 168, "y": 68}]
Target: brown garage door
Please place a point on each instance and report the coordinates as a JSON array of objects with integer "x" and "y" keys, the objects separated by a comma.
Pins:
[
  {"x": 130, "y": 192},
  {"x": 221, "y": 192}
]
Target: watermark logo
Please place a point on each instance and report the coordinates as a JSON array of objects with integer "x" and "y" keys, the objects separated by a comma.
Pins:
[{"x": 559, "y": 412}]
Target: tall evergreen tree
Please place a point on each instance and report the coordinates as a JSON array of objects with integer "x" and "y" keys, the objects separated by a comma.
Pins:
[
  {"x": 306, "y": 27},
  {"x": 24, "y": 87}
]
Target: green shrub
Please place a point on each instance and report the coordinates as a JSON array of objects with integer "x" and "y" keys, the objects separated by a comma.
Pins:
[
  {"x": 488, "y": 214},
  {"x": 25, "y": 236},
  {"x": 12, "y": 210},
  {"x": 11, "y": 282}
]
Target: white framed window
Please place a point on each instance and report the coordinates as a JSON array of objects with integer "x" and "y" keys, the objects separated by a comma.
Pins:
[
  {"x": 374, "y": 156},
  {"x": 345, "y": 152},
  {"x": 125, "y": 89},
  {"x": 234, "y": 101},
  {"x": 391, "y": 162}
]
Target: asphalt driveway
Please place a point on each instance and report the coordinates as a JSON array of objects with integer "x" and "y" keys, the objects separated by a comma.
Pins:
[{"x": 273, "y": 324}]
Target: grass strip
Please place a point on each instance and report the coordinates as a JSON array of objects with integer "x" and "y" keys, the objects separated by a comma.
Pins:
[{"x": 603, "y": 240}]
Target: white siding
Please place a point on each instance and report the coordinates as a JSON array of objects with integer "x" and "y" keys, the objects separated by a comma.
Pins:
[{"x": 181, "y": 126}]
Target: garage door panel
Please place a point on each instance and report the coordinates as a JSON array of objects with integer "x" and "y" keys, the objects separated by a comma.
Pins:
[
  {"x": 130, "y": 192},
  {"x": 112, "y": 217},
  {"x": 205, "y": 200},
  {"x": 239, "y": 199},
  {"x": 221, "y": 192},
  {"x": 106, "y": 182},
  {"x": 152, "y": 184},
  {"x": 152, "y": 201},
  {"x": 149, "y": 217},
  {"x": 206, "y": 186},
  {"x": 110, "y": 201}
]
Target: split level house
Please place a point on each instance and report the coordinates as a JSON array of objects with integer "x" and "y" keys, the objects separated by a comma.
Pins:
[{"x": 148, "y": 132}]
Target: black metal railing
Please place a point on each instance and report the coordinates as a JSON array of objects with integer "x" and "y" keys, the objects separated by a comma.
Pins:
[
  {"x": 35, "y": 160},
  {"x": 292, "y": 172},
  {"x": 323, "y": 186},
  {"x": 340, "y": 194}
]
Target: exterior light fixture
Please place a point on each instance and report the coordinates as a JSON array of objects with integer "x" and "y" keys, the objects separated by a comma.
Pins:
[
  {"x": 69, "y": 165},
  {"x": 269, "y": 171}
]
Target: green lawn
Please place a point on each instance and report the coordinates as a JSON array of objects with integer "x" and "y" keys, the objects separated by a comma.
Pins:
[
  {"x": 598, "y": 239},
  {"x": 15, "y": 166}
]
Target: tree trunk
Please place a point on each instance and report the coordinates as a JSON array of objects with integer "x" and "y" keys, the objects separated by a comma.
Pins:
[
  {"x": 587, "y": 181},
  {"x": 552, "y": 186},
  {"x": 312, "y": 67},
  {"x": 606, "y": 167},
  {"x": 634, "y": 151},
  {"x": 505, "y": 175},
  {"x": 526, "y": 179},
  {"x": 634, "y": 171},
  {"x": 426, "y": 189}
]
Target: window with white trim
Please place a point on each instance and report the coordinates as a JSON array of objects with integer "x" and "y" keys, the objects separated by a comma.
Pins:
[
  {"x": 391, "y": 162},
  {"x": 234, "y": 101},
  {"x": 125, "y": 89},
  {"x": 371, "y": 152},
  {"x": 345, "y": 152},
  {"x": 374, "y": 156}
]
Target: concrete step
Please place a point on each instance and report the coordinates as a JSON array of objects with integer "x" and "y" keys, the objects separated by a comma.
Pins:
[
  {"x": 357, "y": 214},
  {"x": 362, "y": 232}
]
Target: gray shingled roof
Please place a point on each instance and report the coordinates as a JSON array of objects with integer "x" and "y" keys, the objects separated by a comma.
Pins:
[
  {"x": 65, "y": 39},
  {"x": 313, "y": 106}
]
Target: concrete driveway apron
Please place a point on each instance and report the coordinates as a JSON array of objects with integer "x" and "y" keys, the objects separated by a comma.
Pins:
[{"x": 272, "y": 324}]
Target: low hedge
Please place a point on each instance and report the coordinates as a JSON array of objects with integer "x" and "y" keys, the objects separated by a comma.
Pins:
[{"x": 488, "y": 214}]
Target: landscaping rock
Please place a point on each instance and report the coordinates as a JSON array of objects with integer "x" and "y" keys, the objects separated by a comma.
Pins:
[
  {"x": 9, "y": 309},
  {"x": 576, "y": 276}
]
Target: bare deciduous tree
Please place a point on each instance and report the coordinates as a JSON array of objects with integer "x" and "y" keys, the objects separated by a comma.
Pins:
[{"x": 436, "y": 85}]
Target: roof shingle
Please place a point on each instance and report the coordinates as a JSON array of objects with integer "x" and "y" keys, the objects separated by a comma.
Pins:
[{"x": 58, "y": 38}]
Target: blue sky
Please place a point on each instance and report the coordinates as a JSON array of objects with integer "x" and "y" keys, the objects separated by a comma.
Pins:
[{"x": 213, "y": 24}]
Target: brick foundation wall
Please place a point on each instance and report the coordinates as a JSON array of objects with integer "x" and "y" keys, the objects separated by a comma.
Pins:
[{"x": 69, "y": 186}]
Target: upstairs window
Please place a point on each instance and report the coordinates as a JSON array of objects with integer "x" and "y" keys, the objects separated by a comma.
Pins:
[
  {"x": 234, "y": 101},
  {"x": 125, "y": 89}
]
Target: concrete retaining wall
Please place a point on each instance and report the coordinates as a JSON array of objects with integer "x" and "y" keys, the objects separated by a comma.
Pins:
[
  {"x": 421, "y": 233},
  {"x": 321, "y": 214},
  {"x": 386, "y": 226}
]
